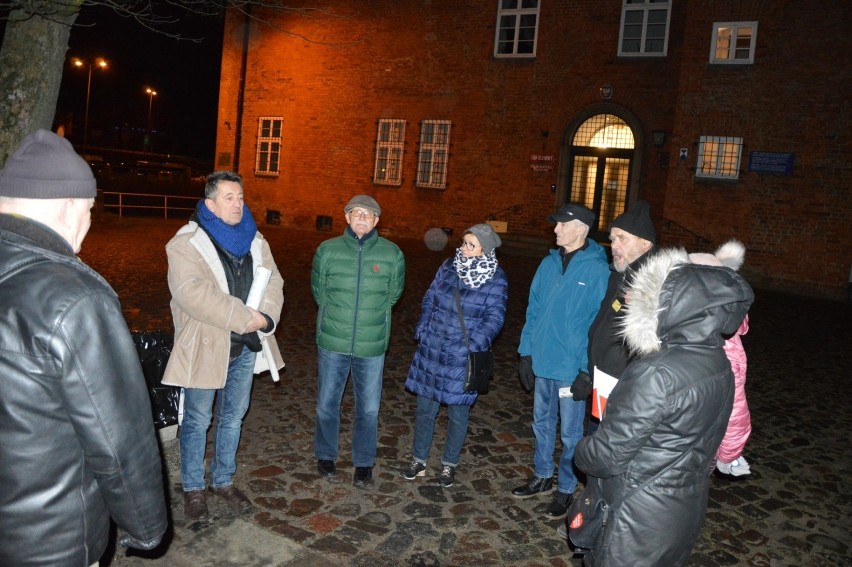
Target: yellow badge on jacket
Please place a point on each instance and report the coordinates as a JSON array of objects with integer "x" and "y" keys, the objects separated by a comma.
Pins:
[{"x": 616, "y": 305}]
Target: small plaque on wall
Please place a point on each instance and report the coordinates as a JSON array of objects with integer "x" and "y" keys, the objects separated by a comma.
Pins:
[{"x": 771, "y": 162}]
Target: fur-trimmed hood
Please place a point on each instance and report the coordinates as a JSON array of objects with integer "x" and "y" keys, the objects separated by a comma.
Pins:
[{"x": 672, "y": 301}]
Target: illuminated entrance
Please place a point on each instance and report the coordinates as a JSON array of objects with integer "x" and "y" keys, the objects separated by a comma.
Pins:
[{"x": 600, "y": 160}]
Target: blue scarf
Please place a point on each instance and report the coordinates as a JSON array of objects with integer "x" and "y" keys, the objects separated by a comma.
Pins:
[{"x": 235, "y": 239}]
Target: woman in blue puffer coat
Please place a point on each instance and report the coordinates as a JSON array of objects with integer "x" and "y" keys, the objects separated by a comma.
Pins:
[{"x": 439, "y": 367}]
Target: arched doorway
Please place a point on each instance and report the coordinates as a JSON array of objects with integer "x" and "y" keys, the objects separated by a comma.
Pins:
[{"x": 602, "y": 150}]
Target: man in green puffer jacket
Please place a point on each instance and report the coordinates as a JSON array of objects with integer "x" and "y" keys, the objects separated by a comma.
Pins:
[{"x": 356, "y": 279}]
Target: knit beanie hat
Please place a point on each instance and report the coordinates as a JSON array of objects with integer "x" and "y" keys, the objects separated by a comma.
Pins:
[
  {"x": 486, "y": 235},
  {"x": 45, "y": 166},
  {"x": 637, "y": 221},
  {"x": 730, "y": 255},
  {"x": 365, "y": 202}
]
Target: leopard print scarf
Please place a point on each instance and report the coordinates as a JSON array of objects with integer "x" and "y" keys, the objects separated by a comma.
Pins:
[{"x": 475, "y": 270}]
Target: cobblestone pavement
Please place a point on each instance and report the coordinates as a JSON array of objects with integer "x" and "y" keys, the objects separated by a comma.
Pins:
[{"x": 793, "y": 510}]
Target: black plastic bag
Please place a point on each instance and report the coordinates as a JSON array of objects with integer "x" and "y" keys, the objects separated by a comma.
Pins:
[{"x": 154, "y": 348}]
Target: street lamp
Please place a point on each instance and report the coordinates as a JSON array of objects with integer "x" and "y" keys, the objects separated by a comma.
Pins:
[
  {"x": 151, "y": 94},
  {"x": 99, "y": 62}
]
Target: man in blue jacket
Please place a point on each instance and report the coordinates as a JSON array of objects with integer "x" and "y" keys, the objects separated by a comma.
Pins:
[{"x": 565, "y": 295}]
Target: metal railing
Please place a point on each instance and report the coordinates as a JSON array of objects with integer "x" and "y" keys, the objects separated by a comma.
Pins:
[
  {"x": 698, "y": 239},
  {"x": 148, "y": 201}
]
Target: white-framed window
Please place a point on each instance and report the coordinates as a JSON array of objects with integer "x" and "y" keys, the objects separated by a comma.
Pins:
[
  {"x": 390, "y": 143},
  {"x": 268, "y": 145},
  {"x": 433, "y": 154},
  {"x": 733, "y": 43},
  {"x": 644, "y": 28},
  {"x": 719, "y": 157},
  {"x": 517, "y": 28}
]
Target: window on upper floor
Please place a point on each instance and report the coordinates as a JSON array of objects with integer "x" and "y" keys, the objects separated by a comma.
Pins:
[
  {"x": 733, "y": 43},
  {"x": 719, "y": 157},
  {"x": 433, "y": 154},
  {"x": 268, "y": 157},
  {"x": 517, "y": 28},
  {"x": 390, "y": 143},
  {"x": 644, "y": 28}
]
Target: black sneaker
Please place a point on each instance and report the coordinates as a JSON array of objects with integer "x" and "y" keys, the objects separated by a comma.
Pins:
[
  {"x": 326, "y": 468},
  {"x": 536, "y": 485},
  {"x": 559, "y": 506},
  {"x": 447, "y": 476},
  {"x": 414, "y": 470},
  {"x": 363, "y": 476}
]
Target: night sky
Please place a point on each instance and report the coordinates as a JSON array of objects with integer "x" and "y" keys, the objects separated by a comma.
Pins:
[{"x": 185, "y": 75}]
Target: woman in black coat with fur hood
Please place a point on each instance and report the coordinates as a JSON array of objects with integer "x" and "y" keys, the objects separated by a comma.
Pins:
[{"x": 672, "y": 401}]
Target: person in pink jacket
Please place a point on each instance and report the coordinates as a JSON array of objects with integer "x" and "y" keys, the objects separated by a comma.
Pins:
[{"x": 729, "y": 457}]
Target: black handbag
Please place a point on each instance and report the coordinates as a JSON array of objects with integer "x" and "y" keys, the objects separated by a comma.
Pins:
[
  {"x": 480, "y": 365},
  {"x": 587, "y": 515}
]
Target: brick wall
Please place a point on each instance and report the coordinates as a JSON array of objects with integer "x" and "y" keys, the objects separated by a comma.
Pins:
[{"x": 332, "y": 76}]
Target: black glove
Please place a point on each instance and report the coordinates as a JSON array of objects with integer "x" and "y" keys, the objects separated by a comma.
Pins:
[
  {"x": 526, "y": 373},
  {"x": 582, "y": 386},
  {"x": 126, "y": 540},
  {"x": 252, "y": 341}
]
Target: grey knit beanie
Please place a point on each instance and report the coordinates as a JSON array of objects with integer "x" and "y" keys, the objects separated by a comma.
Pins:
[
  {"x": 637, "y": 221},
  {"x": 488, "y": 239},
  {"x": 45, "y": 166}
]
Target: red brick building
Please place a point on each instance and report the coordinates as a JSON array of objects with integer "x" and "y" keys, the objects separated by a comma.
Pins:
[{"x": 730, "y": 117}]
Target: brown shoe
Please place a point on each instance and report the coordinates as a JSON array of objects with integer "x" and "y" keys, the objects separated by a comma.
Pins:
[
  {"x": 195, "y": 506},
  {"x": 234, "y": 497}
]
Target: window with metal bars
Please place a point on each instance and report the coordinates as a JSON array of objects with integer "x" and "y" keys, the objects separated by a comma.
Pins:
[
  {"x": 390, "y": 143},
  {"x": 644, "y": 28},
  {"x": 517, "y": 28},
  {"x": 433, "y": 154},
  {"x": 733, "y": 43},
  {"x": 719, "y": 157},
  {"x": 268, "y": 145}
]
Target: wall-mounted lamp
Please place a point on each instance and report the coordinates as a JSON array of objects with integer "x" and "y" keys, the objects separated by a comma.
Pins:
[{"x": 659, "y": 137}]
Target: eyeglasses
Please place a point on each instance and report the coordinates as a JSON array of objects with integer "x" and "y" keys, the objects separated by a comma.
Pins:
[
  {"x": 362, "y": 213},
  {"x": 468, "y": 245}
]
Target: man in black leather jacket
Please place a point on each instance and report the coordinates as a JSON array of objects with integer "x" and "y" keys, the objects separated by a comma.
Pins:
[
  {"x": 78, "y": 442},
  {"x": 633, "y": 238}
]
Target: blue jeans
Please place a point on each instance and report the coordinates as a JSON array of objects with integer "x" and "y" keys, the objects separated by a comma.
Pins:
[
  {"x": 548, "y": 407},
  {"x": 333, "y": 372},
  {"x": 232, "y": 402},
  {"x": 424, "y": 426}
]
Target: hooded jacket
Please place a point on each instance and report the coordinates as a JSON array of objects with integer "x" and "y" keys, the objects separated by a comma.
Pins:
[
  {"x": 440, "y": 362},
  {"x": 672, "y": 401},
  {"x": 77, "y": 442}
]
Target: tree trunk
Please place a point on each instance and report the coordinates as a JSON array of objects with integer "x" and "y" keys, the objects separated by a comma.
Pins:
[{"x": 32, "y": 59}]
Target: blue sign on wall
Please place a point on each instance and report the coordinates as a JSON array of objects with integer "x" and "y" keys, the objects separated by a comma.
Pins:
[{"x": 771, "y": 162}]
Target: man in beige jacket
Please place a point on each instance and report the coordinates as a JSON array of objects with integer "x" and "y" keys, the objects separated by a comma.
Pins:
[{"x": 213, "y": 261}]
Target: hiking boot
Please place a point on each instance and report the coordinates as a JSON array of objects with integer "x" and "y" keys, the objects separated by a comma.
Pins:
[
  {"x": 559, "y": 506},
  {"x": 447, "y": 476},
  {"x": 195, "y": 506},
  {"x": 234, "y": 498},
  {"x": 535, "y": 485},
  {"x": 415, "y": 469}
]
